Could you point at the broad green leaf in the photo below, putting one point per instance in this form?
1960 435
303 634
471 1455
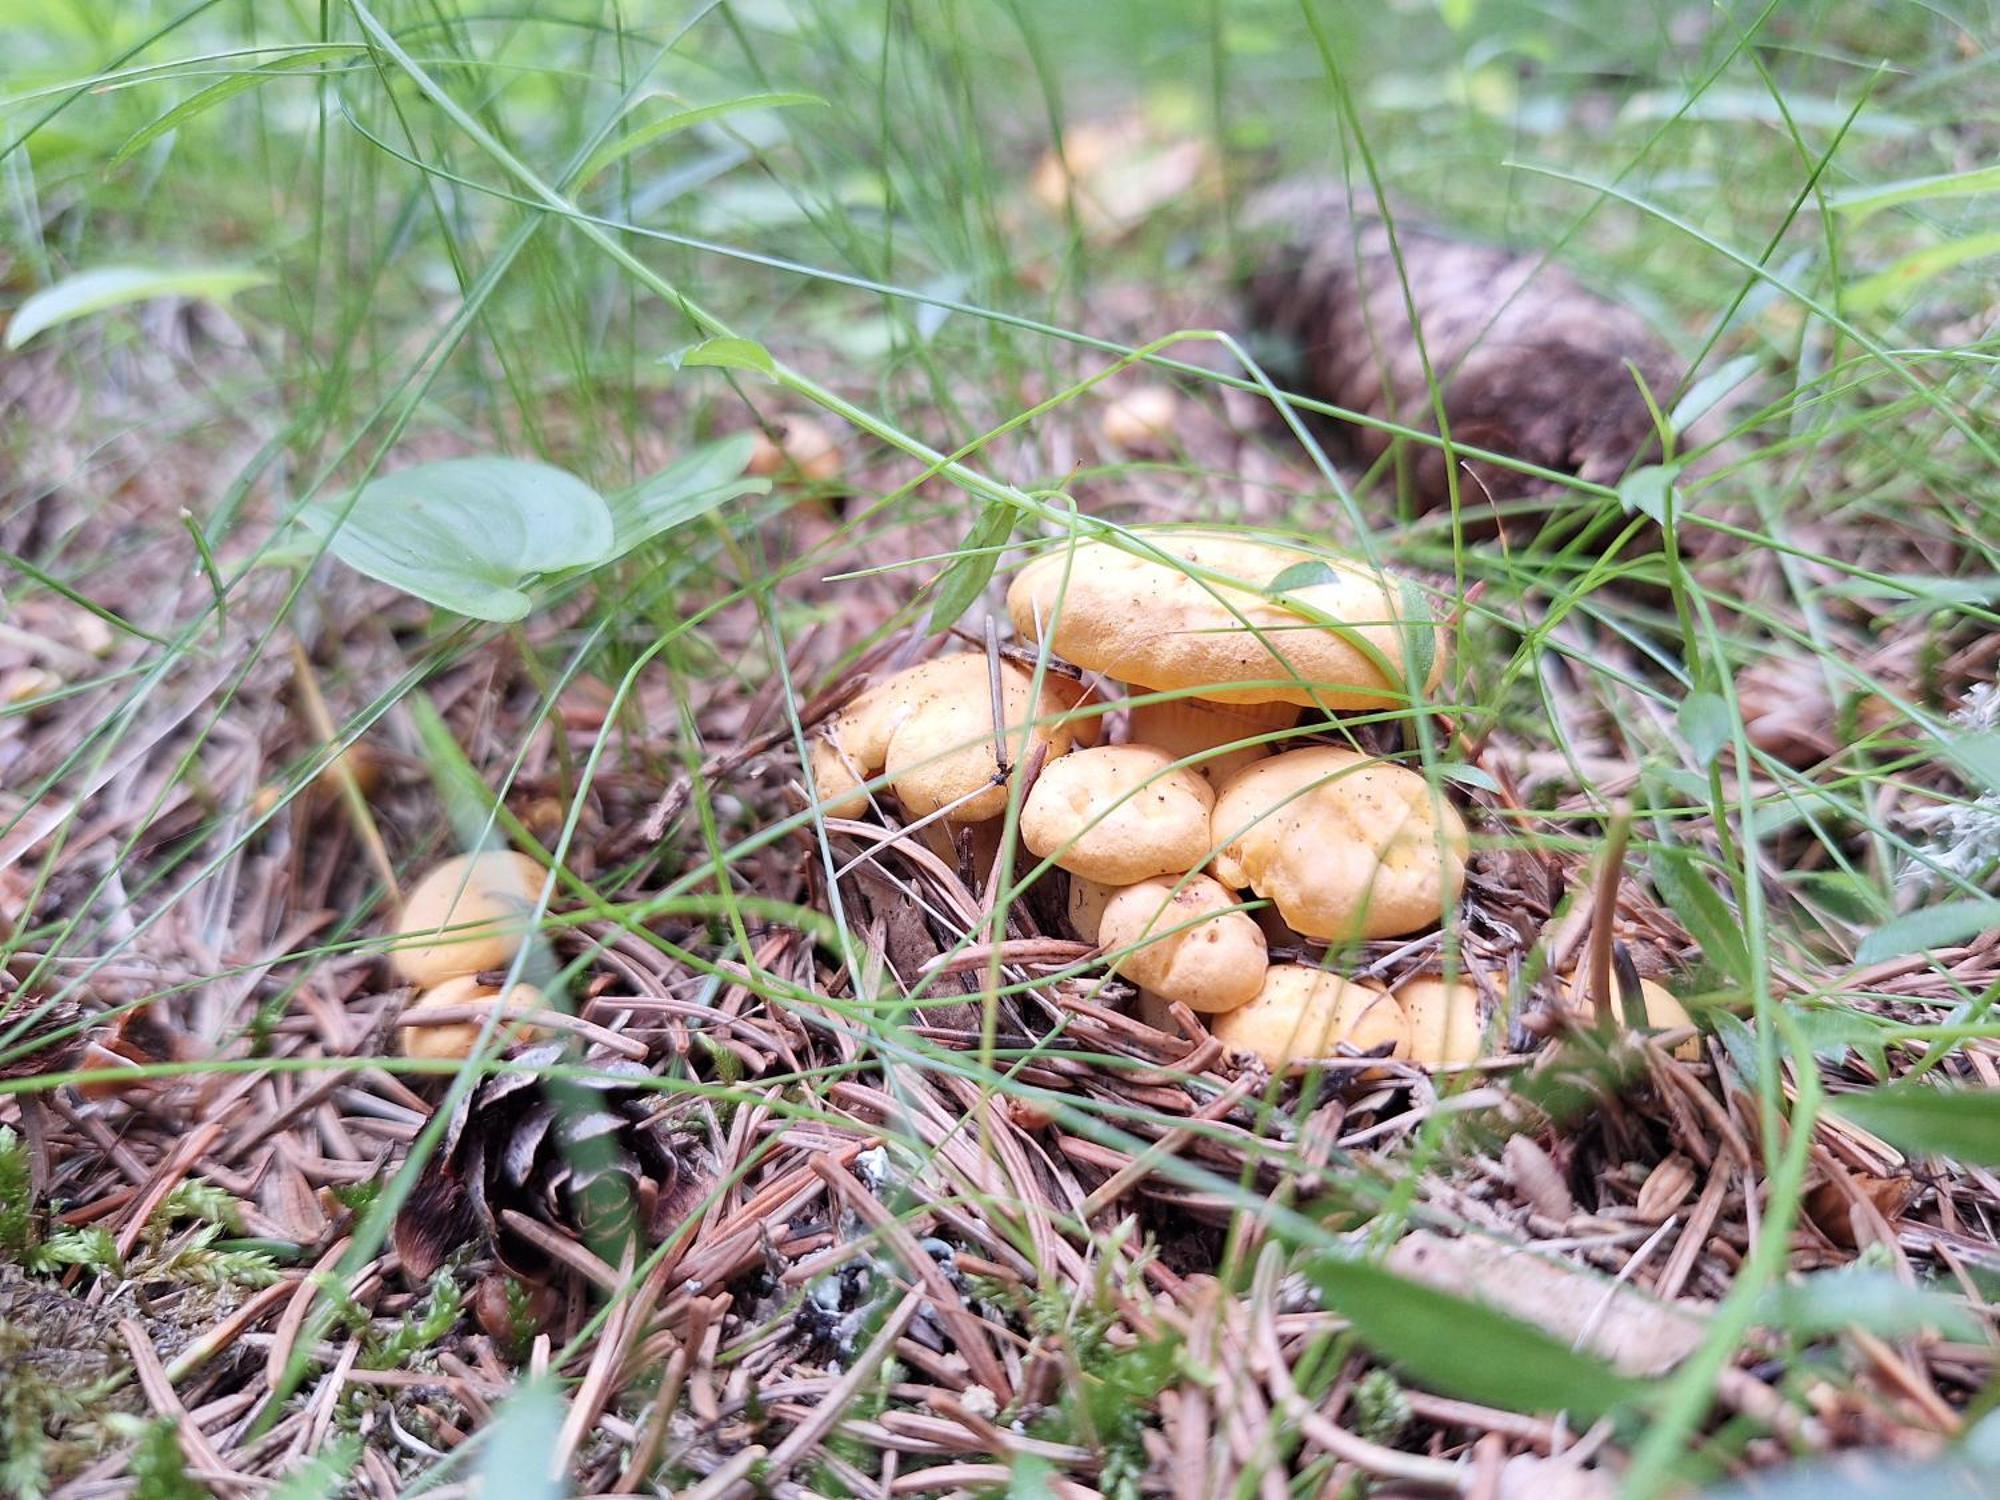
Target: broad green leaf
1685 889
1707 724
1912 271
322 1476
1303 575
206 99
1942 926
685 490
1477 777
727 354
518 1445
1862 201
1978 756
1963 1123
108 287
1703 396
468 533
978 555
1464 1348
680 120
1857 1297
1646 490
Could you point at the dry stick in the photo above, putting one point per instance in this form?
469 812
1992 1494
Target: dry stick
192 1148
804 1437
223 1334
160 1394
1170 1144
343 773
730 1478
1603 920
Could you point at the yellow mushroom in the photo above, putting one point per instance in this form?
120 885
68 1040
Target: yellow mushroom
1181 940
1188 727
1445 1024
456 1039
931 728
469 914
1303 1013
1209 620
1118 814
1086 906
1664 1011
1346 846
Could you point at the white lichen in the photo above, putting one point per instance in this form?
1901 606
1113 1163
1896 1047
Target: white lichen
1961 839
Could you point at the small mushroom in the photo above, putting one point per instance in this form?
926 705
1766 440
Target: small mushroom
1141 419
1664 1011
1207 618
1187 727
1303 1013
1184 940
931 728
1445 1026
469 914
455 1040
803 446
1346 846
1118 814
1086 906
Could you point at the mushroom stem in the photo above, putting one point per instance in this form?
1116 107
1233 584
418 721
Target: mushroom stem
1604 912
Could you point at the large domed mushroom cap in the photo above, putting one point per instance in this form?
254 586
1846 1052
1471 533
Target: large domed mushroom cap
1185 940
1345 846
1204 617
1118 814
1304 1013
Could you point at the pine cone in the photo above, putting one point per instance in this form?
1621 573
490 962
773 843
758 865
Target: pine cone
591 1157
1531 364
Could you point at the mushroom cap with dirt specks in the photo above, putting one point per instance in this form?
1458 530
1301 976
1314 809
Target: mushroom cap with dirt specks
455 1040
1344 845
931 728
1154 623
1118 814
1184 940
1302 1013
473 911
1444 1017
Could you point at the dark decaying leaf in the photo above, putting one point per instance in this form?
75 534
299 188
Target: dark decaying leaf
1530 363
590 1156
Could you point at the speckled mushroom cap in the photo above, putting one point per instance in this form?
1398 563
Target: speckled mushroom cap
1345 846
1303 1013
1191 727
1182 940
456 1039
931 728
1148 622
1118 814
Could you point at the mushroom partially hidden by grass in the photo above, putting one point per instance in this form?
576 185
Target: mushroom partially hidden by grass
1118 814
455 1040
1185 941
1302 1014
1234 619
931 728
467 915
1347 847
1664 1011
1086 906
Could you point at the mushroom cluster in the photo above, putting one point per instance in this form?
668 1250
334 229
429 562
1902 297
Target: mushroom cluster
1221 827
466 918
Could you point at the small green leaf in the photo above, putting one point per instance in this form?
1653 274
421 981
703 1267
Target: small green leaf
1978 757
467 533
1963 1123
1943 926
726 354
960 583
1303 575
1419 630
1862 201
108 287
1856 1297
684 491
1707 724
1473 776
1464 1348
1703 396
1647 490
1913 270
1702 911
680 120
